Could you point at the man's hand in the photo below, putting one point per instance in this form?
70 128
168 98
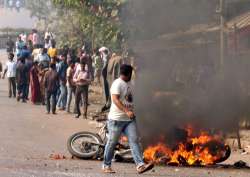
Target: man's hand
118 103
130 114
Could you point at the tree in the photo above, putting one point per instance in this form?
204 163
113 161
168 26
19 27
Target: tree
97 21
40 9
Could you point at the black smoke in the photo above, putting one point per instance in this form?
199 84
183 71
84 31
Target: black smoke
180 81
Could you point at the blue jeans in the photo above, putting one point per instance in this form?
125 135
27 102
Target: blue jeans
22 90
116 128
61 103
51 96
70 91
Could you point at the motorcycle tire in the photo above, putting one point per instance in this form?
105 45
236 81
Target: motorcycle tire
226 155
94 153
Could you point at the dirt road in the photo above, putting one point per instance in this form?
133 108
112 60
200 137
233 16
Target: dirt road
28 136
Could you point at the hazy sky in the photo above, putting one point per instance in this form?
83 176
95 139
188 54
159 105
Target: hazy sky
14 19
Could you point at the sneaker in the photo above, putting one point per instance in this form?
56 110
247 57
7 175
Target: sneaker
108 170
146 167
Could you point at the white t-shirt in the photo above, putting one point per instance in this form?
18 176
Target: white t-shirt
11 68
43 58
123 89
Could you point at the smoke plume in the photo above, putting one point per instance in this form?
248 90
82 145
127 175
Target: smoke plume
179 79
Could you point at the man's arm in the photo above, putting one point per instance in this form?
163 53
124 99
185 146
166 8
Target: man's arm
5 71
45 80
118 103
69 76
75 77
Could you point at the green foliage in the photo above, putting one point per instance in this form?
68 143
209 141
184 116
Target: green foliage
95 21
39 8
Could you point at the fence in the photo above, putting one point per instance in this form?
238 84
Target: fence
10 32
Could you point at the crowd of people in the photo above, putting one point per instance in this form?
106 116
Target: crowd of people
53 76
49 76
12 4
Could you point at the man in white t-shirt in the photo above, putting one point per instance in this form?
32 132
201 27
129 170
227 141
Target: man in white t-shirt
121 119
11 75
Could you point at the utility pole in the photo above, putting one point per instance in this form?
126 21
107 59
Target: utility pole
222 35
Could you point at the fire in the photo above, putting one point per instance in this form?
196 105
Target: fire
201 149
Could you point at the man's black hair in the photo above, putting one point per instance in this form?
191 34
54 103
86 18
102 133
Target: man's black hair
35 63
126 70
52 65
22 60
11 55
82 62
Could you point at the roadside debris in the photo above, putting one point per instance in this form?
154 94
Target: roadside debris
57 157
241 164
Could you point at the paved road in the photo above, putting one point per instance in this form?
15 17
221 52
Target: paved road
28 136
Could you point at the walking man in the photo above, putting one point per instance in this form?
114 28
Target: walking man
121 119
51 84
10 45
11 75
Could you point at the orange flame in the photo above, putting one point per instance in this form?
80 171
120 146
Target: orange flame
204 149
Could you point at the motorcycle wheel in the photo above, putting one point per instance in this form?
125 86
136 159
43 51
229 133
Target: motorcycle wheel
80 146
227 153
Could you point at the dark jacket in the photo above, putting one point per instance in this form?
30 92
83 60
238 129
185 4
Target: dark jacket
22 74
51 81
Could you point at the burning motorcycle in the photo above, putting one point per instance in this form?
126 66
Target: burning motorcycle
87 145
194 150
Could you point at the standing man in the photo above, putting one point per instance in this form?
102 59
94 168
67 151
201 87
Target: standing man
98 66
43 58
113 72
82 81
52 51
106 85
19 46
62 69
121 119
10 45
35 38
22 74
70 83
11 75
51 84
